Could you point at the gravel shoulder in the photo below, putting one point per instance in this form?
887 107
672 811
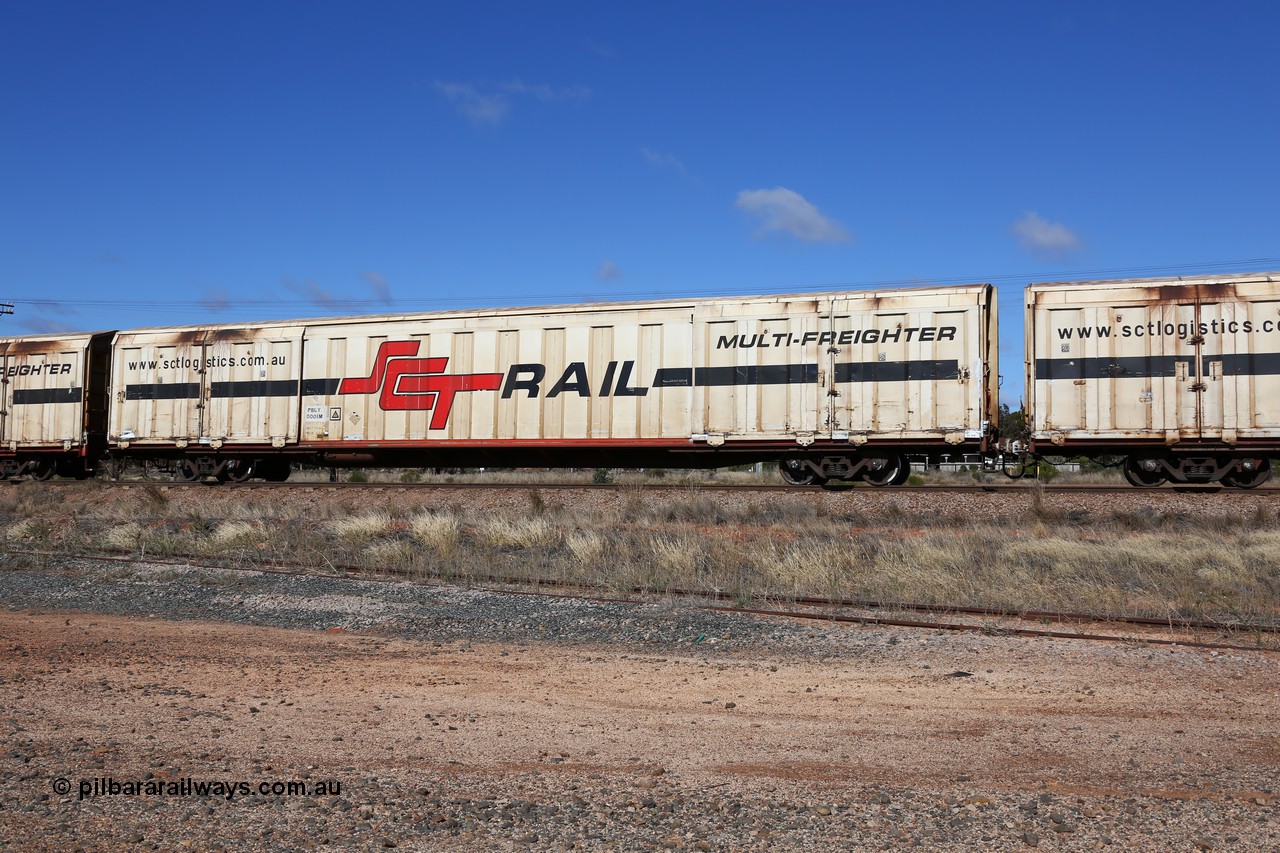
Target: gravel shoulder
456 719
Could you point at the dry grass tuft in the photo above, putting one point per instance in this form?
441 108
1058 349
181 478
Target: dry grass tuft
230 534
586 546
125 537
438 531
26 530
363 527
395 556
677 558
518 533
1134 561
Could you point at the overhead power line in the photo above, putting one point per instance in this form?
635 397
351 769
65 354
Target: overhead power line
400 305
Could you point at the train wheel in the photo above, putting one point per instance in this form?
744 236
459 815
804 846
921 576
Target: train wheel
186 471
796 472
1259 473
1144 473
238 470
887 471
42 469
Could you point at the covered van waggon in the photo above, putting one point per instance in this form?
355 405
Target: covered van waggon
838 385
1180 376
52 404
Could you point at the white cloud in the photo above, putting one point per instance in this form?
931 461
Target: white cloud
490 106
480 108
605 51
573 94
608 271
1041 237
788 213
660 160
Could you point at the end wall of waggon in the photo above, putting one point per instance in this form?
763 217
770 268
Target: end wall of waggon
1180 363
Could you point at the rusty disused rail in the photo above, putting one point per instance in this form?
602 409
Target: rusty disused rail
827 610
1020 487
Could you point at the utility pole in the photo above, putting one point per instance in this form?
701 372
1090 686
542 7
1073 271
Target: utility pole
6 308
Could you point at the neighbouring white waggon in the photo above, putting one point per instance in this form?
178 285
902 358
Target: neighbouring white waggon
1180 376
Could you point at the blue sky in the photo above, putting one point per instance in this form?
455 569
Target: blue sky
174 163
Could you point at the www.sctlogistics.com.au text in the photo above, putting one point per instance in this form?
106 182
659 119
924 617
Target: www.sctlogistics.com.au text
228 789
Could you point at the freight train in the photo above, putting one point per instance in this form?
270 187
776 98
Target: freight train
1176 377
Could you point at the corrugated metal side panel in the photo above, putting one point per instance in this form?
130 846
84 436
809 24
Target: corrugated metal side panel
757 368
251 390
156 389
542 377
198 386
44 388
752 368
1252 398
916 366
1159 361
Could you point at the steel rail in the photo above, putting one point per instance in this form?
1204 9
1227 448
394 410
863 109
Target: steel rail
1162 492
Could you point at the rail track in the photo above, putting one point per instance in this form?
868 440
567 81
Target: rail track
1024 488
1142 629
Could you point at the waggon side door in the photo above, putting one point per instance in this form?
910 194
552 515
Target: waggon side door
158 385
906 365
1185 388
251 387
758 369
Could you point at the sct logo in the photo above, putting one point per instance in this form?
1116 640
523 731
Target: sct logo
416 384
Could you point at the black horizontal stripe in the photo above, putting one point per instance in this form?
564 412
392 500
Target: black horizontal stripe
673 377
250 388
161 391
793 374
320 387
1156 366
35 396
1109 368
255 388
896 371
756 374
1250 364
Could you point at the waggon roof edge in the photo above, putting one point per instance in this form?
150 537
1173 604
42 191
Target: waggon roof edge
1120 283
568 308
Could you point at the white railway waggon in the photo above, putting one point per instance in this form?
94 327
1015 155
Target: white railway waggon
53 404
835 386
1179 376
